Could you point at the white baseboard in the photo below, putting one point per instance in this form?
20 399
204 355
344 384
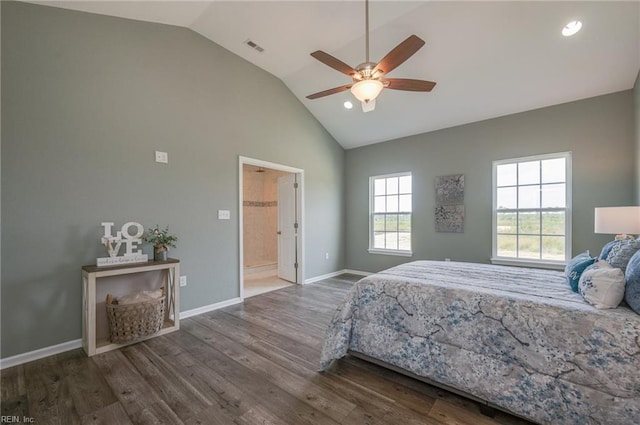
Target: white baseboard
30 356
357 272
77 343
208 308
334 274
322 277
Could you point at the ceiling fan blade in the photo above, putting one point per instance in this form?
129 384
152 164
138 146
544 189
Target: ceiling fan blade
408 84
398 55
330 91
334 63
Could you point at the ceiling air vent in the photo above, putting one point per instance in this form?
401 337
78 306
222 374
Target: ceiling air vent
254 46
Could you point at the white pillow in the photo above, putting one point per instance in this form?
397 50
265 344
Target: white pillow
139 297
602 286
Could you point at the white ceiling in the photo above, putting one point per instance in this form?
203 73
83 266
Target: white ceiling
489 59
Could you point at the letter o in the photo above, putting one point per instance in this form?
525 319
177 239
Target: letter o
125 230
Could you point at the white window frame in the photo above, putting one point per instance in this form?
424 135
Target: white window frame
387 251
527 262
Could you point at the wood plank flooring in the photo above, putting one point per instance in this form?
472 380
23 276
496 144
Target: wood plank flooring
248 364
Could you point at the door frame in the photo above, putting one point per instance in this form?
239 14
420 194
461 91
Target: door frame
242 161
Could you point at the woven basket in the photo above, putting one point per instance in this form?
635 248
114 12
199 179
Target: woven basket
128 322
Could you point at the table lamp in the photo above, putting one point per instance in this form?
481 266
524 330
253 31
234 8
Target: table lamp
621 221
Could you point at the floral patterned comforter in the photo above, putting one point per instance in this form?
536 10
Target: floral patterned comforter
517 338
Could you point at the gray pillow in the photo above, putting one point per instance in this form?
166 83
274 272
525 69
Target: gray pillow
621 252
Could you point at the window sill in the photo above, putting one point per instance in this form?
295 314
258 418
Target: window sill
391 252
538 264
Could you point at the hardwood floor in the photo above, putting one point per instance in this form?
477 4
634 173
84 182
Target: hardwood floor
252 363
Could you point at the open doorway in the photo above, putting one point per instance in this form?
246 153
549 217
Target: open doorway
270 226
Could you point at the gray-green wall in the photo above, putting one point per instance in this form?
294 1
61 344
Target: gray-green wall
86 101
598 131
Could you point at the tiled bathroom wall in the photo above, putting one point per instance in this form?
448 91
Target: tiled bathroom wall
260 213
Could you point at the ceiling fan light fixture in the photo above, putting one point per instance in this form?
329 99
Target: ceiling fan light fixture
369 106
367 84
367 90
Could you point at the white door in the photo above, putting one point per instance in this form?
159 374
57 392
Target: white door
287 228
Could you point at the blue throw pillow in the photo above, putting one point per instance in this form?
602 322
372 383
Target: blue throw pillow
575 267
606 250
632 276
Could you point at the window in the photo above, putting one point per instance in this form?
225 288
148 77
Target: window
390 214
532 210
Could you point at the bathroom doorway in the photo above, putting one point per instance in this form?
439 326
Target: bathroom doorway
270 227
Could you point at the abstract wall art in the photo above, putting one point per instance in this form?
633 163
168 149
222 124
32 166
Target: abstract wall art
450 218
450 189
449 213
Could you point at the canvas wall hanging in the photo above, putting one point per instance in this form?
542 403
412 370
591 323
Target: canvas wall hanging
449 212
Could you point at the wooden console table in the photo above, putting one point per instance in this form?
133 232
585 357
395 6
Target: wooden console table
170 269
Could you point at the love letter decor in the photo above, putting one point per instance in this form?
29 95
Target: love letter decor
113 244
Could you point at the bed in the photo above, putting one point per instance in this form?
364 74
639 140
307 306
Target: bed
518 339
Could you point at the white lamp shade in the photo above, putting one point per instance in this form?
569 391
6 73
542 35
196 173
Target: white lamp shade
617 220
366 90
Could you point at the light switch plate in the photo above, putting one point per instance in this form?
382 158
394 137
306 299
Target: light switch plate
224 215
162 157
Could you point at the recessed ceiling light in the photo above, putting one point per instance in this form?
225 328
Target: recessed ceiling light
348 105
571 28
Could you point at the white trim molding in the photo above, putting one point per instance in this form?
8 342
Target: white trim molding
536 264
334 274
397 253
357 272
210 307
40 353
322 277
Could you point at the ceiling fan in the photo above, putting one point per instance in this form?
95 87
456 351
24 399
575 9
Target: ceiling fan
367 77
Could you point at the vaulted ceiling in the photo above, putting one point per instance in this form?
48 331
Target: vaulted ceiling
489 59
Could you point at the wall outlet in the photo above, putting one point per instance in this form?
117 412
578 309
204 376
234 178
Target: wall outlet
162 157
224 215
326 255
183 281
447 259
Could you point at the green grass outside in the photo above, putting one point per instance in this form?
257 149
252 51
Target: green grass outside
519 235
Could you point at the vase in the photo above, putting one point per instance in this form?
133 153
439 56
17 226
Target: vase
160 255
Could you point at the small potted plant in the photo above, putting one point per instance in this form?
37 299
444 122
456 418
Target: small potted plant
161 240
